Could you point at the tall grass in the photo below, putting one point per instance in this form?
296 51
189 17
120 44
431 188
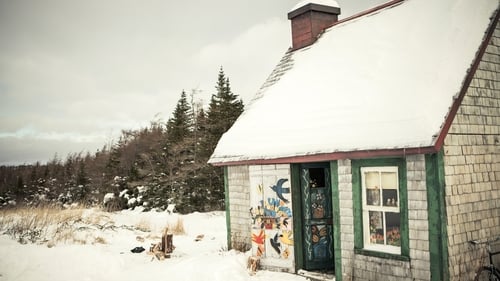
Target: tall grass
33 224
51 225
177 227
143 225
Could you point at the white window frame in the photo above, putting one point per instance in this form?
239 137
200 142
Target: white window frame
381 208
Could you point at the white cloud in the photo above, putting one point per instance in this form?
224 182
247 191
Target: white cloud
248 58
73 72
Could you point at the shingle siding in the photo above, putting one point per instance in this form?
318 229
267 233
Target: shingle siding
346 219
472 166
239 198
361 267
418 223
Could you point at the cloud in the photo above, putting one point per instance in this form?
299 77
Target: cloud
27 150
73 74
249 57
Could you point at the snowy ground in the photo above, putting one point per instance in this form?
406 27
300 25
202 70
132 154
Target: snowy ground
100 244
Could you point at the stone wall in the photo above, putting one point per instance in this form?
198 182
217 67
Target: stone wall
239 198
472 167
361 267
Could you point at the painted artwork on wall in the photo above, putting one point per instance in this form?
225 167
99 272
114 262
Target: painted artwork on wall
271 213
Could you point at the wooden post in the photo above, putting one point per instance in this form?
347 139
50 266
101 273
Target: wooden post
253 264
169 243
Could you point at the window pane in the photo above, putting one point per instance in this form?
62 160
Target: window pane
393 221
373 197
390 197
376 227
317 177
389 180
372 179
390 189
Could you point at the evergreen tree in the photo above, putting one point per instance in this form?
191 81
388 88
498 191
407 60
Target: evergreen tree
225 107
178 126
169 159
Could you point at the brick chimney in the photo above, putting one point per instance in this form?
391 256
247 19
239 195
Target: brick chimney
310 18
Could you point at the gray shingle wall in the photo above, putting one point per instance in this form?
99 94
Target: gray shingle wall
346 219
239 198
472 166
418 223
361 267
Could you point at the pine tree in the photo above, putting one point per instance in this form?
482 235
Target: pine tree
178 126
225 107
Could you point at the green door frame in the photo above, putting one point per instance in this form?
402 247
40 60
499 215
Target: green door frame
297 216
298 224
438 234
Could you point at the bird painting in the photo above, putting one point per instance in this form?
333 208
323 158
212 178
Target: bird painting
286 238
280 190
275 243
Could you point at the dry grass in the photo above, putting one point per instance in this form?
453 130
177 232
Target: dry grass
176 228
51 225
238 243
97 218
143 225
99 240
35 224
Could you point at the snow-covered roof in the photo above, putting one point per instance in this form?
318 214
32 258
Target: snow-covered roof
385 80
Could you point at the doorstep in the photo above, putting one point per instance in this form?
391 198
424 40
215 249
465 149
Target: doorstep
316 276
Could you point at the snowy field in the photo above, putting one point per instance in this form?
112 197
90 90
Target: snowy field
89 244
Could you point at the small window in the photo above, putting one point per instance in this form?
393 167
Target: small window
317 177
381 209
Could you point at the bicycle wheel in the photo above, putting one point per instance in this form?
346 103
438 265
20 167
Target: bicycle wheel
486 274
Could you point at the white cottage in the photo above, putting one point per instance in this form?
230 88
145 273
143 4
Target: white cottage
372 150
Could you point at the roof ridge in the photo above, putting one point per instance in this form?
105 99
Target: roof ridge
389 4
458 98
285 64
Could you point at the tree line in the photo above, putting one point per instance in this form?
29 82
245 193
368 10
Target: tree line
161 164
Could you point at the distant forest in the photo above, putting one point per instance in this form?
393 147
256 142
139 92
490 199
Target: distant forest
162 164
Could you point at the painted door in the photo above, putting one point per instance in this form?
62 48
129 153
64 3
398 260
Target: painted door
317 216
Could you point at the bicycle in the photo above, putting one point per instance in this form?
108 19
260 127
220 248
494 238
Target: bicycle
487 272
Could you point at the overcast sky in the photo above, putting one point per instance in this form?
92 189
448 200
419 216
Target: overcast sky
73 74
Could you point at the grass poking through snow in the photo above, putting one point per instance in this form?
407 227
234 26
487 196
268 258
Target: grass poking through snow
52 225
177 228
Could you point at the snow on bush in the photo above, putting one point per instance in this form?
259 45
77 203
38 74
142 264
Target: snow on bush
108 197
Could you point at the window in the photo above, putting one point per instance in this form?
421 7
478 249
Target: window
380 205
380 208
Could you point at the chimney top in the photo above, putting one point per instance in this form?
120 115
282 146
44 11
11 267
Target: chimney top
310 18
318 4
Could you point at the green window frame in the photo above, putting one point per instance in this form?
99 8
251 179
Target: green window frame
361 246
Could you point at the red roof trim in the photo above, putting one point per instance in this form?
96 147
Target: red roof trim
468 78
359 154
369 11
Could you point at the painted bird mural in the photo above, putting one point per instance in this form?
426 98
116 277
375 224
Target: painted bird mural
279 189
286 238
275 243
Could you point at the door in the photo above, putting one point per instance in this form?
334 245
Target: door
317 216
